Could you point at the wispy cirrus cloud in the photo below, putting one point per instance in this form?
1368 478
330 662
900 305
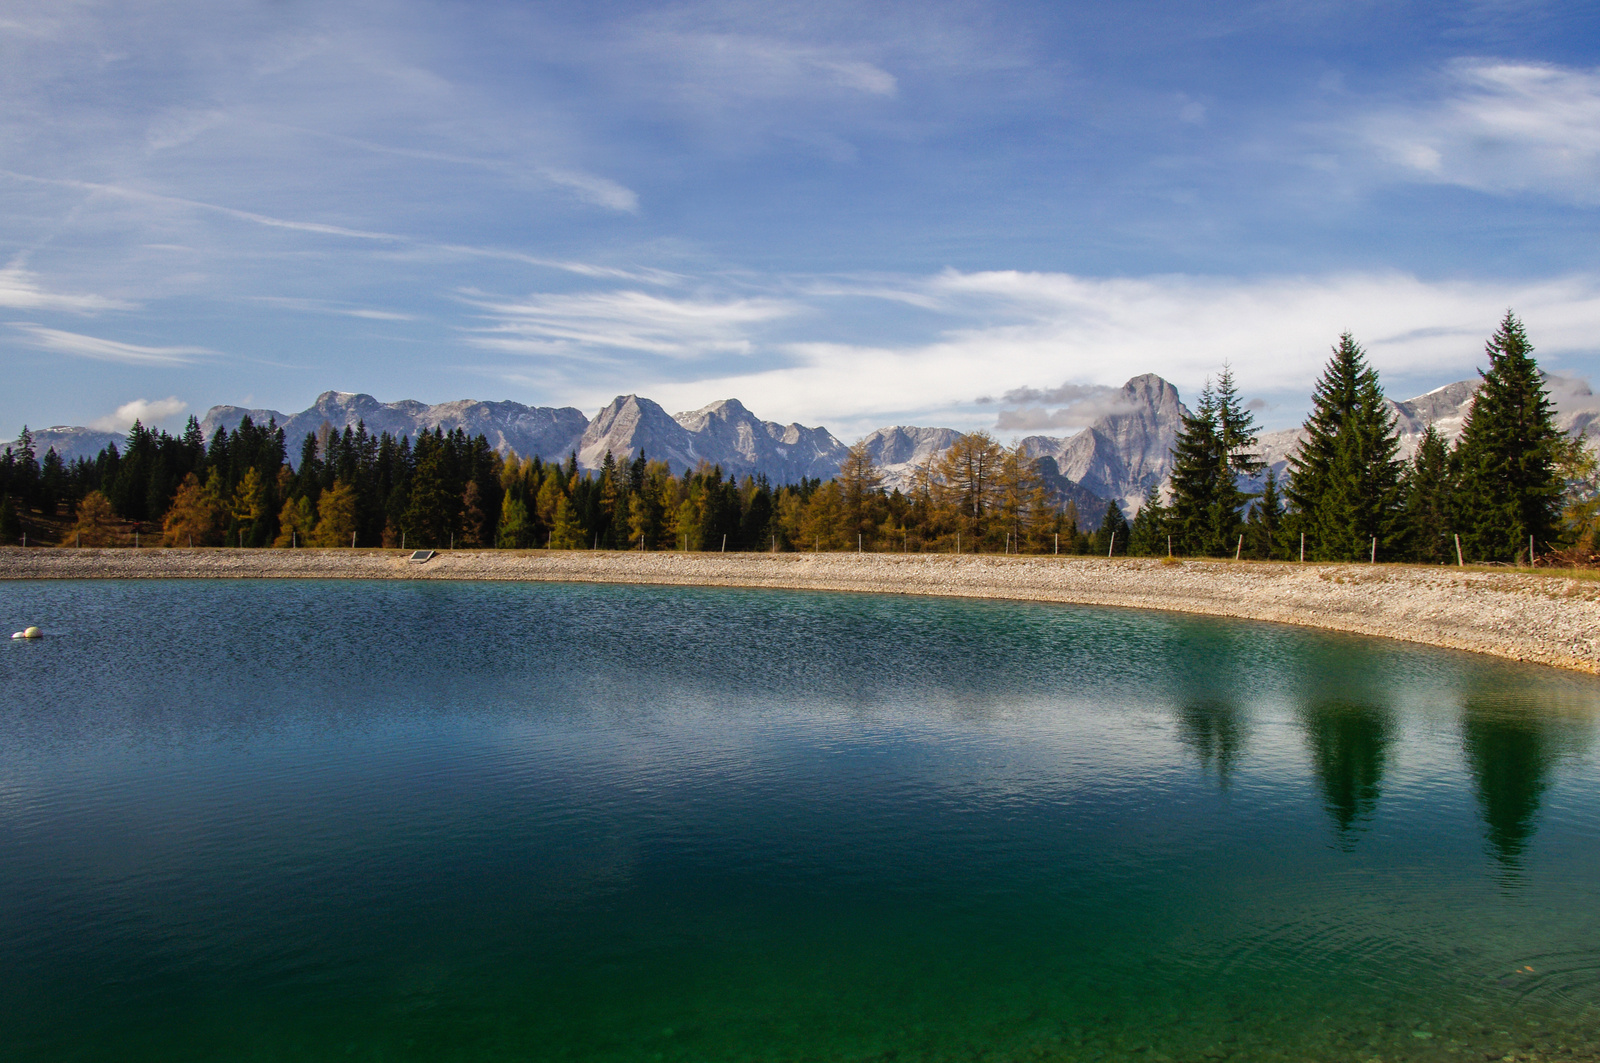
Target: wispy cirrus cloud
600 191
78 345
1501 127
646 275
623 321
20 290
325 306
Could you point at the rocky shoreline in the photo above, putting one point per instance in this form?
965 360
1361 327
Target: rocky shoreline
1547 619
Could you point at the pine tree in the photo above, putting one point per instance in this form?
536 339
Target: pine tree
1112 537
1265 526
1195 473
1344 479
10 525
1427 489
1508 489
1148 535
1212 451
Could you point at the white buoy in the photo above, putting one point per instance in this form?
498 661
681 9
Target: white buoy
28 633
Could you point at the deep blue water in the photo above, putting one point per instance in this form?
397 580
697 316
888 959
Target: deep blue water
392 821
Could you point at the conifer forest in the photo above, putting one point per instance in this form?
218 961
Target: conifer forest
1511 483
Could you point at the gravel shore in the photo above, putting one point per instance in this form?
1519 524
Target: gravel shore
1545 619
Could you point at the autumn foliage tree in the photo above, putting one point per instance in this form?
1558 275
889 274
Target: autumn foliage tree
195 517
97 523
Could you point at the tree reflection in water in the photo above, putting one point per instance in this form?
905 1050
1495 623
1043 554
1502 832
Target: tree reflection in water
1213 728
1349 746
1510 756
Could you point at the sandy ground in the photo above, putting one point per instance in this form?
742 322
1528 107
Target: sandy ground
1548 619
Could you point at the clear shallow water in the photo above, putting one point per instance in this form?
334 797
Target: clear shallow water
390 821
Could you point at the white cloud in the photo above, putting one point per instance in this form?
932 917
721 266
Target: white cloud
1031 328
78 345
19 290
1501 127
1028 409
623 321
143 410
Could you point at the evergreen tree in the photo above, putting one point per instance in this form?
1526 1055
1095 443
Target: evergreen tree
1196 469
24 477
1344 478
1265 526
1212 451
1112 536
52 482
1427 489
1507 455
10 525
1148 535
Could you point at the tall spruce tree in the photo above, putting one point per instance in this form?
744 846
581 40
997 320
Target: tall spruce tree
1427 488
1507 485
1148 535
1213 449
1195 472
1344 479
1262 530
1112 535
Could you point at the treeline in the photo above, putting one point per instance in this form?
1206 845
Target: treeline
1511 480
1511 489
448 489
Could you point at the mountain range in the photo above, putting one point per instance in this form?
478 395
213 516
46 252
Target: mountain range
1119 455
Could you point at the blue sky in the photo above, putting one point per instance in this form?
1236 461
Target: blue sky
852 214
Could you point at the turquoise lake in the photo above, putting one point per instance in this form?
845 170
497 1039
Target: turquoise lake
305 820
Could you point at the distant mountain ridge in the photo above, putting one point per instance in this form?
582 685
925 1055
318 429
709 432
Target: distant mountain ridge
507 425
1119 455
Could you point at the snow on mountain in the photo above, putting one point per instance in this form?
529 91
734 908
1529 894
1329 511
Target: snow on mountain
630 424
900 451
727 434
723 433
70 443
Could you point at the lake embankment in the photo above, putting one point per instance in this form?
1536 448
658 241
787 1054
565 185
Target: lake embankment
1547 619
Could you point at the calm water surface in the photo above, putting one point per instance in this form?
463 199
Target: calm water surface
393 821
